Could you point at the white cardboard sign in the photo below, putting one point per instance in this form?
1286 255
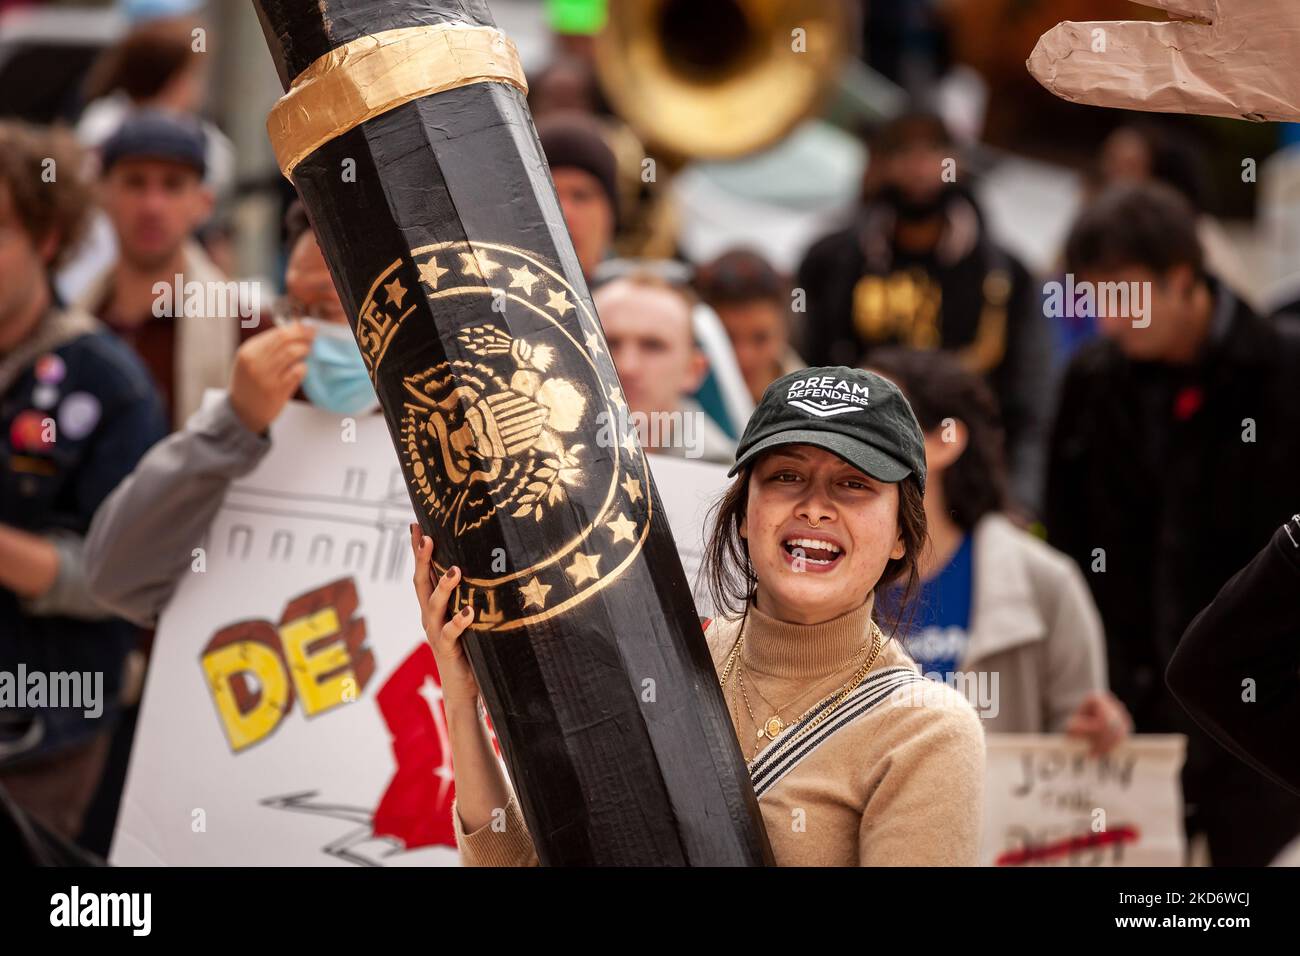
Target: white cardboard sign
1047 803
291 711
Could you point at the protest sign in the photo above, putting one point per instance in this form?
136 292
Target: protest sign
1048 803
291 714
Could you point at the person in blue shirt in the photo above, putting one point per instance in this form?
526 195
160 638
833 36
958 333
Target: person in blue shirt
940 628
77 411
1001 616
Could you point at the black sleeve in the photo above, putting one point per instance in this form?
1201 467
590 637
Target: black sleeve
819 330
1249 637
1025 389
1068 513
1064 510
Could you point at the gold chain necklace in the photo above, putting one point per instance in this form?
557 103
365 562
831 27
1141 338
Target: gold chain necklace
774 725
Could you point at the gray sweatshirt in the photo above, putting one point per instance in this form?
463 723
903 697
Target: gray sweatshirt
143 537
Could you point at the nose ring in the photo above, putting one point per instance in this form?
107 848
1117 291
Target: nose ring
812 525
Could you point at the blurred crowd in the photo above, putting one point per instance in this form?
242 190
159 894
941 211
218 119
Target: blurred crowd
1098 473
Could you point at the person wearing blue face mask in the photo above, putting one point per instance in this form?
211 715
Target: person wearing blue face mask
337 379
335 376
140 542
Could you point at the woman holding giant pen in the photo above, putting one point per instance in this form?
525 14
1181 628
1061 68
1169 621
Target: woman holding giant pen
854 757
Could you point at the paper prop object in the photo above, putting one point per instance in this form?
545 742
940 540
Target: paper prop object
1233 58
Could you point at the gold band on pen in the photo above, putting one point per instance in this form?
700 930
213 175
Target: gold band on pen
374 74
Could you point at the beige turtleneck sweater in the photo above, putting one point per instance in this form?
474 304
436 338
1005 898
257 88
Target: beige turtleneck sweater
900 785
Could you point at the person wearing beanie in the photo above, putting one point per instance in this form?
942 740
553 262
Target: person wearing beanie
154 134
151 182
586 180
156 66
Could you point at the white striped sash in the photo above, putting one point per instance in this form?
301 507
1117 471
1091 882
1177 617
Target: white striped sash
784 753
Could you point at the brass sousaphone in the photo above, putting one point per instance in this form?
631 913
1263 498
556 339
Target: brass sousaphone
715 79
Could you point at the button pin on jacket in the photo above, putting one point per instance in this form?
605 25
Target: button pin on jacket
50 369
45 396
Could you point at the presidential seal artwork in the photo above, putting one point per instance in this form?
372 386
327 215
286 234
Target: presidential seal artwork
405 129
506 432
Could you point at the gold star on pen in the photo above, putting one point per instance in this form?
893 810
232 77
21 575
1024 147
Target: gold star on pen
559 302
395 291
535 593
478 264
622 528
593 344
633 488
431 272
583 568
629 442
616 396
523 279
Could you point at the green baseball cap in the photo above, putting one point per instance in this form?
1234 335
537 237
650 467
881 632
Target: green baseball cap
858 415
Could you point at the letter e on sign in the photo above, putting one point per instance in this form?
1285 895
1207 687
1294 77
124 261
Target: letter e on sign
324 645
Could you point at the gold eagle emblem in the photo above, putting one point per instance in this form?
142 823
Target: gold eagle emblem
479 439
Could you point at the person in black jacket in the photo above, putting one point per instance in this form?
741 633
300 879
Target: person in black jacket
1237 670
1174 453
918 268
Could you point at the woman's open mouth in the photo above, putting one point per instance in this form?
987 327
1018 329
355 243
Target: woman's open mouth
816 555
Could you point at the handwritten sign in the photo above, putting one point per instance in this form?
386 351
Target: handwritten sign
1048 803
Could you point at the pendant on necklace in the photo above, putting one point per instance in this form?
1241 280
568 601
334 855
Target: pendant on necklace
773 727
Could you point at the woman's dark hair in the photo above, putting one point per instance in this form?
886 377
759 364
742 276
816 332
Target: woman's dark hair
739 276
143 62
295 224
939 388
1146 224
730 576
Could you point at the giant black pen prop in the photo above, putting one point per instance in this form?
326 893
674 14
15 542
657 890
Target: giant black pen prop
407 134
